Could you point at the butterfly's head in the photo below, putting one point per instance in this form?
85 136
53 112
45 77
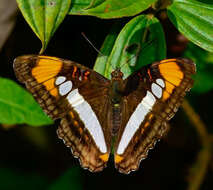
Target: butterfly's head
117 74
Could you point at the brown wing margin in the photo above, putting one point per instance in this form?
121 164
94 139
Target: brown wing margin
176 74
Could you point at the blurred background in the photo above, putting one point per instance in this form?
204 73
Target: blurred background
34 158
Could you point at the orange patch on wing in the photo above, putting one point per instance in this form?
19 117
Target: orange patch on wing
166 95
50 86
142 130
72 114
74 71
171 72
80 130
104 157
54 92
169 87
150 116
46 68
75 123
86 75
168 90
118 159
144 127
150 76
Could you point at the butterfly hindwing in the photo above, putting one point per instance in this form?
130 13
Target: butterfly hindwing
152 96
75 135
67 90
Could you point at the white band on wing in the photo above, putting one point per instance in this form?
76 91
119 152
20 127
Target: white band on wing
88 117
135 121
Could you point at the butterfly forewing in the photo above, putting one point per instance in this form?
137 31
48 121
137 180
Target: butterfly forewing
151 97
78 95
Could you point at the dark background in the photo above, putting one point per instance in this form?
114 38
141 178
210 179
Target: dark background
39 157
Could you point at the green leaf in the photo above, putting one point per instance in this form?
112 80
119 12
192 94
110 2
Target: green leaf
140 42
95 3
195 20
44 16
70 180
109 8
204 62
17 106
77 6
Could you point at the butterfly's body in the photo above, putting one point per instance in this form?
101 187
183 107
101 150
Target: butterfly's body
116 92
94 110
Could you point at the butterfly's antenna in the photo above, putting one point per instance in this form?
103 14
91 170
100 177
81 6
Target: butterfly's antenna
91 43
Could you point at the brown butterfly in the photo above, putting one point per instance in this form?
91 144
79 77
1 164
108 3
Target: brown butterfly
94 110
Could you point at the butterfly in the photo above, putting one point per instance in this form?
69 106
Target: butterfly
98 114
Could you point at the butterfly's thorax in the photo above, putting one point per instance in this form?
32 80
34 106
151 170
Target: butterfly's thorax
116 92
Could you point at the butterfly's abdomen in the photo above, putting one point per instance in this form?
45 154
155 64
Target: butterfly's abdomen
116 118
